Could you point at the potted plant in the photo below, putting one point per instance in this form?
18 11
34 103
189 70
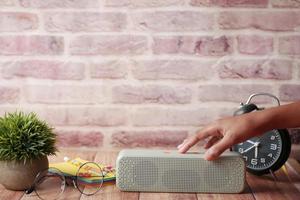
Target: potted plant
25 143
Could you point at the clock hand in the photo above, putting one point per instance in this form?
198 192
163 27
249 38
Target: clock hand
254 145
249 149
256 151
250 141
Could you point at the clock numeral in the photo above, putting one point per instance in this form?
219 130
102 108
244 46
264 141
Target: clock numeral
241 150
254 161
272 137
262 160
273 146
245 157
270 155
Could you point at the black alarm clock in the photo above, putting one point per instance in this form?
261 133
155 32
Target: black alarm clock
267 153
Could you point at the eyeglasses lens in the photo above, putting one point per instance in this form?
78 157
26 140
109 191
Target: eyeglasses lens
89 178
50 184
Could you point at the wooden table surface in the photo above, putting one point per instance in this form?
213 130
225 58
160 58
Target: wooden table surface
286 187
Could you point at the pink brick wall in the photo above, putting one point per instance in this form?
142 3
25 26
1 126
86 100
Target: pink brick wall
144 72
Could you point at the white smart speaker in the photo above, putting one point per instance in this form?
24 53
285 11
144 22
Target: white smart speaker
170 171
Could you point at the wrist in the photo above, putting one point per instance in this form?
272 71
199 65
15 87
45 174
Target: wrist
258 122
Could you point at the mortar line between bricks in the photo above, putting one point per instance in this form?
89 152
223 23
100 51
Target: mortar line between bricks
171 86
107 9
213 33
140 83
145 57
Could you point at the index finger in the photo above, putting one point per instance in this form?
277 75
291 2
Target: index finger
204 133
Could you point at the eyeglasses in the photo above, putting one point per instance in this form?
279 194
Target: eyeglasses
50 184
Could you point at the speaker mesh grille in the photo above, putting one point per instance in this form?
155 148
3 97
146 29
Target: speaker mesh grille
156 174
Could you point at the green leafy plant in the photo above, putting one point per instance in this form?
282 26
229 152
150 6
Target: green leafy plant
25 137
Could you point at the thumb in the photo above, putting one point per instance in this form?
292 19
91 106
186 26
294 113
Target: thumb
217 149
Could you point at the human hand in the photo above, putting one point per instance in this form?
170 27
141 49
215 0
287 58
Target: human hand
224 133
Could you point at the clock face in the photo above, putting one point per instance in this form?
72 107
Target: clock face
260 153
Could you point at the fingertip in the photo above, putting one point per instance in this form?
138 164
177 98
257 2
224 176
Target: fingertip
208 157
182 144
210 154
179 146
206 146
217 149
182 150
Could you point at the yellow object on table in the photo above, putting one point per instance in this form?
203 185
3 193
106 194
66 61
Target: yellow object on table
71 167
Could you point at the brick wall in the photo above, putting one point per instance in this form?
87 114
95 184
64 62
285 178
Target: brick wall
144 72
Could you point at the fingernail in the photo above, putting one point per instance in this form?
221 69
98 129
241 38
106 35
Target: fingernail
179 146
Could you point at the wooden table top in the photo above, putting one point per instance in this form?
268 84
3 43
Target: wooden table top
286 187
